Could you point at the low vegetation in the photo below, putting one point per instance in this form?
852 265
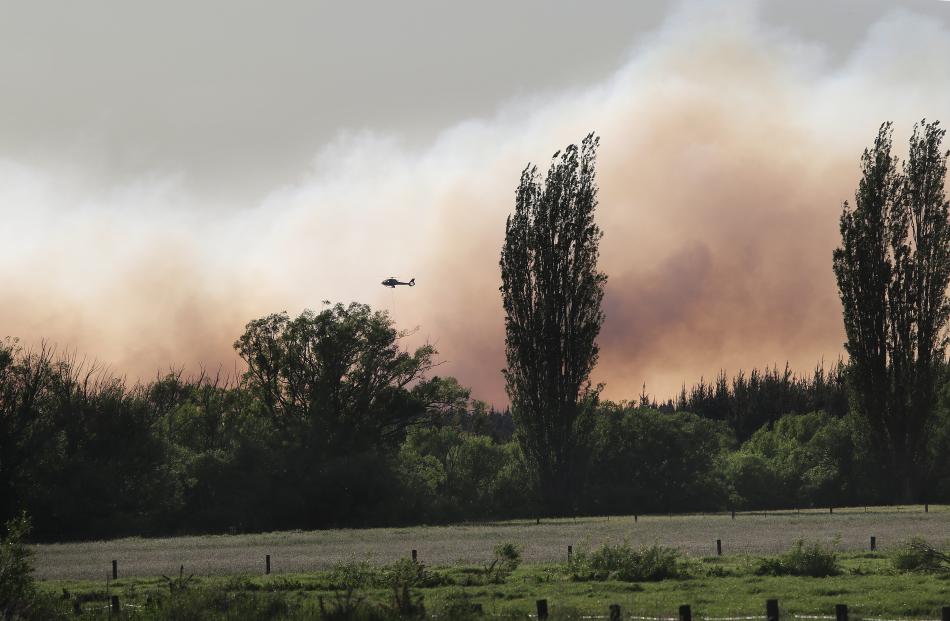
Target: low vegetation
653 581
916 554
812 559
625 563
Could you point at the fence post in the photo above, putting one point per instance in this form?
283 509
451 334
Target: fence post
635 516
771 609
267 564
926 507
115 569
873 543
570 551
841 612
946 613
415 556
542 609
718 547
831 510
685 613
615 612
733 514
115 604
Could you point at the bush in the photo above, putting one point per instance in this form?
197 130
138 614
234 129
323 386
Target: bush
803 559
918 555
18 596
352 575
622 562
214 604
507 558
409 573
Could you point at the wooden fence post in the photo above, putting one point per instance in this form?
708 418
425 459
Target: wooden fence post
415 556
570 552
115 604
733 514
873 543
831 510
542 609
267 564
926 507
685 613
946 613
615 612
115 569
635 516
841 612
718 547
771 610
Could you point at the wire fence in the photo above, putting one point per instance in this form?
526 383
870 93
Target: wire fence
773 613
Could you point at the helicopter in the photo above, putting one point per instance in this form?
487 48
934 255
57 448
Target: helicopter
391 282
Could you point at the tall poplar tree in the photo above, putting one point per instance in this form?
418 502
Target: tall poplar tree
552 292
893 268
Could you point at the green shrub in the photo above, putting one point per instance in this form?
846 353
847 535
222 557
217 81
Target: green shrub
414 575
506 560
803 559
621 562
18 596
353 575
459 606
918 555
214 604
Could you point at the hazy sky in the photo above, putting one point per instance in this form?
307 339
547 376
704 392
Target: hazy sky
169 171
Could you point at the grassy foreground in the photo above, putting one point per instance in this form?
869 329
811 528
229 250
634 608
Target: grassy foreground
716 586
471 544
456 571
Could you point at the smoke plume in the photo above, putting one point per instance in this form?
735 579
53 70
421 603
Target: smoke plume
727 148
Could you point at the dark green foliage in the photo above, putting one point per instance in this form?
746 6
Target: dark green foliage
893 268
647 461
17 591
748 402
218 604
460 607
19 598
337 376
95 457
552 292
412 574
76 442
352 575
802 460
506 560
622 562
803 559
918 555
456 475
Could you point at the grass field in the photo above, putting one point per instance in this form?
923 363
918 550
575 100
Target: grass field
299 551
718 587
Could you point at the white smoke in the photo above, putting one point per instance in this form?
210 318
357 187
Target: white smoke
727 148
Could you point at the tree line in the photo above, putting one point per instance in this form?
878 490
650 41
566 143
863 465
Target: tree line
335 423
88 456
